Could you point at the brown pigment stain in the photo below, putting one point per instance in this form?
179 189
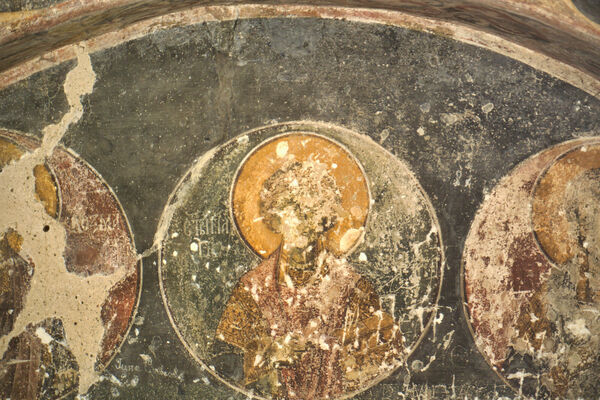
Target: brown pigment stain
46 190
15 279
528 264
116 314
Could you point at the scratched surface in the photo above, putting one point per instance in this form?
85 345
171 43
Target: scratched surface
63 318
459 118
540 241
397 251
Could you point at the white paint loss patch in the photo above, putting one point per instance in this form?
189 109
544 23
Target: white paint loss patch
578 328
350 238
487 107
43 335
282 149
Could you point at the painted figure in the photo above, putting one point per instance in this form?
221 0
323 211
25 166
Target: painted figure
309 325
532 273
560 322
49 245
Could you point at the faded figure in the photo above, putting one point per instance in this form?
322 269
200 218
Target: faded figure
560 325
309 325
574 295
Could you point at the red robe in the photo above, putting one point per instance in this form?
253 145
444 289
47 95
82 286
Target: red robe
263 309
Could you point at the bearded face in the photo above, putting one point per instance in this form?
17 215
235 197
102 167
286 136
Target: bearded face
300 201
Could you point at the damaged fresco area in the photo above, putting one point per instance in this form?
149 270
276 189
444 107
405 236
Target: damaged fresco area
534 248
293 267
177 92
69 275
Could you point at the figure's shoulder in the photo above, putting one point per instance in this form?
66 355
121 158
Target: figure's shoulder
262 272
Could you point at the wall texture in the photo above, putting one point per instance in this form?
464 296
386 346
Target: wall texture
161 114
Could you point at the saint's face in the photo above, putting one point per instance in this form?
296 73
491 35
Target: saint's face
300 203
298 229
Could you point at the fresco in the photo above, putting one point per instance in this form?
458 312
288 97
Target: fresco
533 248
277 255
69 275
305 187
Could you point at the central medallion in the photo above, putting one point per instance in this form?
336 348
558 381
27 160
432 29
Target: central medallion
300 261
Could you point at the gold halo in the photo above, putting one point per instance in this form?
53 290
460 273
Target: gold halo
550 223
271 155
45 185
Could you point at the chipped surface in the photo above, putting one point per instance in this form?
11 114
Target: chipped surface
172 91
533 248
73 274
318 281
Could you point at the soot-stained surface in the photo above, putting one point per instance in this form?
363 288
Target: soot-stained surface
24 5
454 117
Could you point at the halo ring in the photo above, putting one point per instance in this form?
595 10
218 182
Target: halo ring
274 153
549 222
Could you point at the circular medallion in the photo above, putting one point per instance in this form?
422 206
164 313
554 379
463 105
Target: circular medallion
301 149
300 260
532 273
69 274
